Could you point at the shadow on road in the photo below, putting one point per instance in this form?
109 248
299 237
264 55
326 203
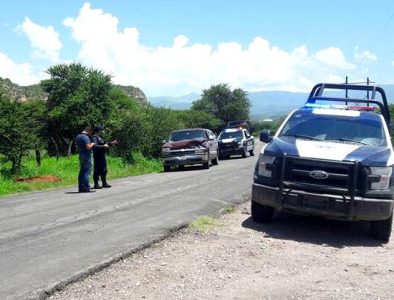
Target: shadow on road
235 157
316 231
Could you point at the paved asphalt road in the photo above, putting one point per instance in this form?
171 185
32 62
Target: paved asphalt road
50 238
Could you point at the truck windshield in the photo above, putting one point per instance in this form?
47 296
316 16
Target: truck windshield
366 130
231 135
187 135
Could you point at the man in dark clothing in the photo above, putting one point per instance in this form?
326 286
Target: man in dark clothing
100 161
84 147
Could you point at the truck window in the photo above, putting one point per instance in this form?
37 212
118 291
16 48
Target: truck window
336 128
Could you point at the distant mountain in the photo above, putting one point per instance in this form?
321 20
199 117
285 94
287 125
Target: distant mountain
35 92
265 104
389 89
277 103
272 104
182 102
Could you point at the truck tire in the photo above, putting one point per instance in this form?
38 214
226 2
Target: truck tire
261 213
207 164
381 230
215 161
244 152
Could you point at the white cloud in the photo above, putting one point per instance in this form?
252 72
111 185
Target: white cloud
44 40
334 57
19 73
364 56
183 67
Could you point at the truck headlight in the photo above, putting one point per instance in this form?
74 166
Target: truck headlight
264 161
201 150
384 174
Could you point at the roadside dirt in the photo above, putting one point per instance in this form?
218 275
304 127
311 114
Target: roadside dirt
291 258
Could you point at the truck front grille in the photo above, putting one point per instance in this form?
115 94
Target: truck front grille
228 146
335 176
175 153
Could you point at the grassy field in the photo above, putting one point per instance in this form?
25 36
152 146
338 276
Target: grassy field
67 170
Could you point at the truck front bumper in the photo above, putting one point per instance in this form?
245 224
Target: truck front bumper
193 159
330 206
231 151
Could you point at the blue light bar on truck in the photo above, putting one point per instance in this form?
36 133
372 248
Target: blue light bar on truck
370 103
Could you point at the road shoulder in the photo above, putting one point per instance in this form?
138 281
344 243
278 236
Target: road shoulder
294 257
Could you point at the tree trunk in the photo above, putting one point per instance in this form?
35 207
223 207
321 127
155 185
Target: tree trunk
16 165
38 157
13 166
69 148
56 148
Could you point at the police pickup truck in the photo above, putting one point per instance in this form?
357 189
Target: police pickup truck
235 141
330 160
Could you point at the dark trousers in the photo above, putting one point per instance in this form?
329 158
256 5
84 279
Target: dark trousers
100 169
85 162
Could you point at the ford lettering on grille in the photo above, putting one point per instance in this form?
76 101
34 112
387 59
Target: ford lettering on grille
318 174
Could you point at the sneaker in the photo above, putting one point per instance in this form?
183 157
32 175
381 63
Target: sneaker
96 187
106 185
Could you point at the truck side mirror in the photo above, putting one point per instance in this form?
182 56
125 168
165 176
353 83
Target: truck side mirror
265 136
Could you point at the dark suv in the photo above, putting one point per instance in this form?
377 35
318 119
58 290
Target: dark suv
330 160
190 147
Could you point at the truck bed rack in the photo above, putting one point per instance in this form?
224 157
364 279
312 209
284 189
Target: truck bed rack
317 95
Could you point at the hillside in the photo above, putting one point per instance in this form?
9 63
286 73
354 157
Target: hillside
26 93
23 93
135 93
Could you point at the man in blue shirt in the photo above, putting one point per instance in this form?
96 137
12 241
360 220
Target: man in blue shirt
84 147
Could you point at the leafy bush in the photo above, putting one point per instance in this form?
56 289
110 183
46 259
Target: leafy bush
20 130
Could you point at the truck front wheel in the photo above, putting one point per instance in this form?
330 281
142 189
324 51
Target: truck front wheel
381 230
261 213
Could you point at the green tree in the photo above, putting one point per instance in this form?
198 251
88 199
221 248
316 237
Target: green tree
36 118
224 103
160 122
77 96
19 131
202 119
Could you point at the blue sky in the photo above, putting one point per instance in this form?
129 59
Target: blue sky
178 47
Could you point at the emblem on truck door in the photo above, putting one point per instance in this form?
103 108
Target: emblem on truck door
318 174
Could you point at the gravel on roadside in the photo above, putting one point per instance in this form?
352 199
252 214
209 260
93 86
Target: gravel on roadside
291 258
